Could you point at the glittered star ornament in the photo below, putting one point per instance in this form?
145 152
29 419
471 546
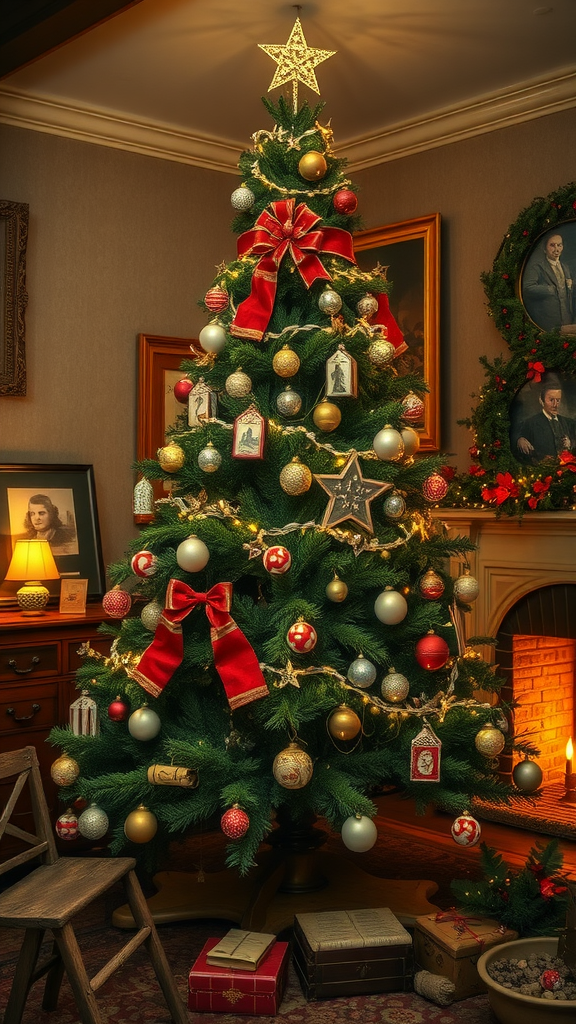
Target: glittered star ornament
350 495
296 62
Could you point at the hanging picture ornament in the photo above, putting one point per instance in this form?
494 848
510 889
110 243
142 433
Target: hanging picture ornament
150 615
292 767
343 723
431 586
171 458
118 710
381 353
336 591
202 403
394 505
242 199
329 302
67 825
432 652
425 750
182 389
140 825
64 771
93 822
350 495
238 384
388 444
84 716
362 672
216 299
144 724
249 434
489 741
466 830
192 554
301 637
288 402
345 201
235 822
390 607
413 408
143 564
466 588
367 306
143 502
341 374
295 477
116 602
312 166
527 776
277 560
435 487
212 338
359 833
286 362
394 687
327 416
411 441
209 459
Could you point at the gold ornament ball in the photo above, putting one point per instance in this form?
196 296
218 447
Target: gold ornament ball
286 362
344 723
394 687
295 477
337 590
312 166
140 825
381 352
292 767
171 458
327 416
489 741
65 770
411 441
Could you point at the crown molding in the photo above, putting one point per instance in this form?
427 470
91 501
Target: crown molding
520 103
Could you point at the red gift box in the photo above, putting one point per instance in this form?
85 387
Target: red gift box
223 990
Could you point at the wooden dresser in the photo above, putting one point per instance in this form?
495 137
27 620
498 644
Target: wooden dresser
38 661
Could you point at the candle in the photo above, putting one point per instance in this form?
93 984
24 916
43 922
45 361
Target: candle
569 755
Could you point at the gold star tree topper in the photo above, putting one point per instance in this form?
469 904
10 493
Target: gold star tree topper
296 62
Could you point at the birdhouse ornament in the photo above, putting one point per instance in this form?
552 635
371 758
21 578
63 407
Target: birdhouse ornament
425 756
84 716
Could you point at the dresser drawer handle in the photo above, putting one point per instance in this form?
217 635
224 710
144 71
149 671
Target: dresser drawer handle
23 718
24 671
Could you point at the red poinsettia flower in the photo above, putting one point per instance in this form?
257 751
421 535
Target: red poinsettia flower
477 471
535 371
448 472
548 888
567 461
506 487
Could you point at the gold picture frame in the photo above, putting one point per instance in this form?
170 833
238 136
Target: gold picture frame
410 250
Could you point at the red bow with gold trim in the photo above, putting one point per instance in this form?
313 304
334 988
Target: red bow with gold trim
283 227
234 657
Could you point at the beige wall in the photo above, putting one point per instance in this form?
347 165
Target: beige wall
121 243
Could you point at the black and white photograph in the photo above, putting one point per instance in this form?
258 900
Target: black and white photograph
543 419
547 280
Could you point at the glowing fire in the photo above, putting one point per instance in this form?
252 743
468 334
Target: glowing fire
569 750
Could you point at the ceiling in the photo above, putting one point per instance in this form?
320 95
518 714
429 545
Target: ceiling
182 79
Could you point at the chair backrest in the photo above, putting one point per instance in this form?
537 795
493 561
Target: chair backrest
24 765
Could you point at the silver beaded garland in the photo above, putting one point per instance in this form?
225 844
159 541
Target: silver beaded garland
329 302
242 199
288 402
209 459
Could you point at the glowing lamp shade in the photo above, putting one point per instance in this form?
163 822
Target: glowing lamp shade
33 562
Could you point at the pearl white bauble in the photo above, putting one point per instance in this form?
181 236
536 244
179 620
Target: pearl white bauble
390 607
411 440
212 338
144 724
192 554
359 833
388 444
242 199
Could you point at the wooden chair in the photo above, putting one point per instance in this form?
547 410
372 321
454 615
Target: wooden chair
52 894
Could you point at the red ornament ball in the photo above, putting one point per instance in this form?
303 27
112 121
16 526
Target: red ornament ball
277 560
431 652
118 711
67 826
431 586
216 299
413 408
116 603
144 564
550 980
345 201
466 830
302 637
435 487
182 389
234 822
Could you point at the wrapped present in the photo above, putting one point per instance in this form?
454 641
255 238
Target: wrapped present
225 990
357 952
451 942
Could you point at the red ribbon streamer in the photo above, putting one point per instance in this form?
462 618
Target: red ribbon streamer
234 657
283 228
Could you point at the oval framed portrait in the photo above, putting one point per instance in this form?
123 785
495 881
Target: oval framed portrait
543 419
547 284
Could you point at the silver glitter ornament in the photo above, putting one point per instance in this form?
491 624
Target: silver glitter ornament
362 673
238 384
150 615
394 506
288 402
329 302
395 687
93 822
209 459
367 306
242 199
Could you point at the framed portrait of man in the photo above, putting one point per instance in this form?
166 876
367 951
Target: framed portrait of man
548 280
543 420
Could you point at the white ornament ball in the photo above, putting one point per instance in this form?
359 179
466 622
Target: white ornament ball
143 564
150 615
388 444
242 199
466 588
390 607
359 833
212 338
93 822
238 384
288 402
277 560
395 687
411 440
367 306
209 459
192 554
144 724
362 673
466 830
329 302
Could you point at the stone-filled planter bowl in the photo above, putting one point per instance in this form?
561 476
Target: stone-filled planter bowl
512 1007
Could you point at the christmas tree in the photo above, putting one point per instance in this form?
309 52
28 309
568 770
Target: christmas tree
290 639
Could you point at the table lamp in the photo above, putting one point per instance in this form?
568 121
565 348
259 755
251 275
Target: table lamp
32 561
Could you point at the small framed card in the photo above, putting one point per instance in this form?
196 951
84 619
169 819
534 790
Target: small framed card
73 595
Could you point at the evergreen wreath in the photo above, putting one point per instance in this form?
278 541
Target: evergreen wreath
497 478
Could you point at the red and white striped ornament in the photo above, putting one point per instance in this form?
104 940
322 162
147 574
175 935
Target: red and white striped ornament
466 830
413 408
67 826
216 299
277 560
235 822
144 564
